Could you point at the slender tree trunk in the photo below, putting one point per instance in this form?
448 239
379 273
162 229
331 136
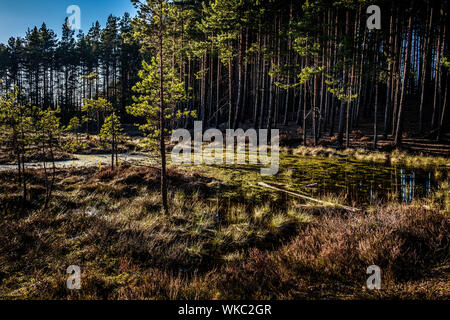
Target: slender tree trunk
230 94
375 114
398 135
211 90
437 79
263 88
315 102
161 120
344 100
441 122
389 77
257 79
305 102
239 84
218 91
300 99
288 92
305 106
203 89
398 64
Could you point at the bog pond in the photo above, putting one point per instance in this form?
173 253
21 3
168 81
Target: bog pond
356 181
359 181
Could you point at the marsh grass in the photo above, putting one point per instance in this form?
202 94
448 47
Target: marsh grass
395 158
417 161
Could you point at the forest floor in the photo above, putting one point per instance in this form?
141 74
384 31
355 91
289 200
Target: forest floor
363 139
413 142
225 238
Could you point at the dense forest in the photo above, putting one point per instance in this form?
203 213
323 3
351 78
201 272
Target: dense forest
262 64
53 72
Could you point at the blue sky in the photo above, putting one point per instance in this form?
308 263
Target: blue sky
16 16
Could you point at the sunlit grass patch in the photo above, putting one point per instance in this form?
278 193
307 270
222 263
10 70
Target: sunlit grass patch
316 151
299 216
233 256
279 221
261 212
395 158
403 158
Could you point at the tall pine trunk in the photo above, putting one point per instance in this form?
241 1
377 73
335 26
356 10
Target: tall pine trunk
399 132
161 120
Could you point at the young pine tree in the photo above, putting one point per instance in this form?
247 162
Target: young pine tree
99 107
74 126
48 128
160 88
16 127
112 131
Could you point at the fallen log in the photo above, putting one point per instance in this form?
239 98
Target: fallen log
325 203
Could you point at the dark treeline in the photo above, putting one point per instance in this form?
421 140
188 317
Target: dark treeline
261 64
63 72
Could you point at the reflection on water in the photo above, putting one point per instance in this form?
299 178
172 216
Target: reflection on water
362 182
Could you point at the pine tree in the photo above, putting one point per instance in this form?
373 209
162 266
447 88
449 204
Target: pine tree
112 131
160 89
47 130
16 126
